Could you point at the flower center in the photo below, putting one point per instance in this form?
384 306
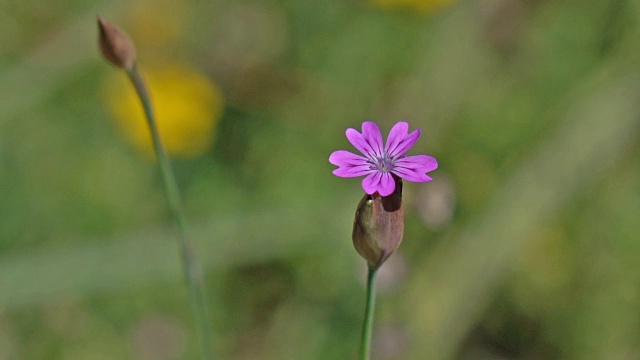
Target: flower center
383 164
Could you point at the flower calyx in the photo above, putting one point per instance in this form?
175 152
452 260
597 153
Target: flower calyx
379 225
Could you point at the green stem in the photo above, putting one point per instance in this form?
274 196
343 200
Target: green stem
192 271
367 325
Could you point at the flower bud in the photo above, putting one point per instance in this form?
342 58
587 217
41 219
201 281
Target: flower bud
378 226
115 45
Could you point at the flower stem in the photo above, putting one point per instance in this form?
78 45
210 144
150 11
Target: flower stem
192 271
367 325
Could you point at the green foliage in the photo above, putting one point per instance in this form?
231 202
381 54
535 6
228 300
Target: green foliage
529 106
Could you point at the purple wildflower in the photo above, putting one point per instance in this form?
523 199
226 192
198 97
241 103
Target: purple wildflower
381 162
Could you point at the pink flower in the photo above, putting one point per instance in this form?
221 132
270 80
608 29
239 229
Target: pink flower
381 162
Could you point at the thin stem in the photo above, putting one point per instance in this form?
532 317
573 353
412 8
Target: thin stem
367 325
192 271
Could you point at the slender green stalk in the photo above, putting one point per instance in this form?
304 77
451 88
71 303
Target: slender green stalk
192 271
367 325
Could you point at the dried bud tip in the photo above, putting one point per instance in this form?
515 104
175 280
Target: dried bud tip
115 45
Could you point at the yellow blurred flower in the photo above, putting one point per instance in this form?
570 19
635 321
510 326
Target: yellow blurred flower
418 5
187 107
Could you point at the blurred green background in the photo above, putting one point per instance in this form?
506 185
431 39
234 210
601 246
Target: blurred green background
525 245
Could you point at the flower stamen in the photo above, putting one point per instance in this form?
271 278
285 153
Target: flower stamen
383 164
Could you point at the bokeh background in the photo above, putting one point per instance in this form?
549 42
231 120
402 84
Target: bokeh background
525 246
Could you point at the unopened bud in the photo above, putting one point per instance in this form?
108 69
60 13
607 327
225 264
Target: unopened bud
116 46
378 226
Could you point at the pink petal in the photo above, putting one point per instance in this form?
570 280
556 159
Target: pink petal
413 168
405 144
359 142
371 133
352 171
371 183
387 185
346 158
398 132
411 175
382 183
423 163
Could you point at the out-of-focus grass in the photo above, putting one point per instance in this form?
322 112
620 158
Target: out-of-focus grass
530 107
524 204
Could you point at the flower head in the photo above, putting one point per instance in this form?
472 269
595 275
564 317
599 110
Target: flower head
382 161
